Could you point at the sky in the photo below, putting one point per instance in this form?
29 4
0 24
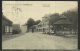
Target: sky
20 11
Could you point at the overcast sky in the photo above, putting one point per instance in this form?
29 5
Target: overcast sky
34 9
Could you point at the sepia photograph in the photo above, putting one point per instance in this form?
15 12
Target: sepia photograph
51 25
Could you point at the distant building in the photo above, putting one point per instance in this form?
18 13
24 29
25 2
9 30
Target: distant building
39 27
6 25
44 24
24 28
16 28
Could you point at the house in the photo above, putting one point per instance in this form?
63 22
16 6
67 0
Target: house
16 28
44 26
6 25
39 27
24 28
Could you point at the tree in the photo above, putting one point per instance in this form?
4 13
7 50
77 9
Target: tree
30 23
37 22
53 18
73 17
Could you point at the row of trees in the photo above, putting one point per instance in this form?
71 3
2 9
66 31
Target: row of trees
32 22
72 16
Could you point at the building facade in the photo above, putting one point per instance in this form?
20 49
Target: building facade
6 25
44 25
24 29
39 27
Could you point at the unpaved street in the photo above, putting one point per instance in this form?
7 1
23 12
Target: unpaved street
40 41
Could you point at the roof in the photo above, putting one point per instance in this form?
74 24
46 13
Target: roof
40 23
4 17
63 22
34 26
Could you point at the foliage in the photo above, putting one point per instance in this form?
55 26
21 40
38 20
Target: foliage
37 22
30 23
53 18
73 17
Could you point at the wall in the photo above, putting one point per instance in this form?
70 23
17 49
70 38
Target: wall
6 26
23 29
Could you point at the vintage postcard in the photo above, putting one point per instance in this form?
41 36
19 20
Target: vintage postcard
49 25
